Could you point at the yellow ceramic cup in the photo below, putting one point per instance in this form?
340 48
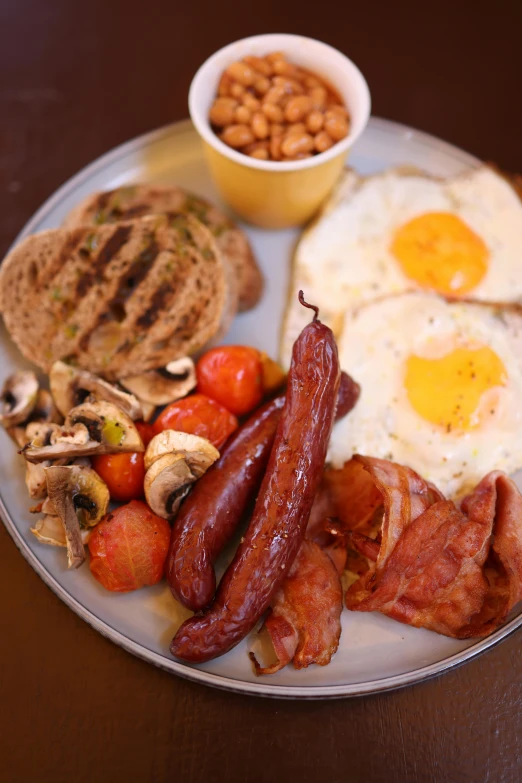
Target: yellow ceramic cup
276 194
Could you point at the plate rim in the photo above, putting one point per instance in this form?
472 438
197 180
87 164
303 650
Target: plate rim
307 692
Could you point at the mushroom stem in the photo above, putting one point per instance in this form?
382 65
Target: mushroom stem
58 486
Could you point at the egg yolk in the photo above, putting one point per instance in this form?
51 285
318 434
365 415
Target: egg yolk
448 391
439 251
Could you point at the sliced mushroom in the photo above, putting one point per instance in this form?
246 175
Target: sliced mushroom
18 398
35 480
174 461
43 411
159 387
18 435
48 507
50 530
198 452
80 499
166 483
70 387
96 427
148 410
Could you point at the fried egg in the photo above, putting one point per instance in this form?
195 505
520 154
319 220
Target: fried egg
394 232
441 387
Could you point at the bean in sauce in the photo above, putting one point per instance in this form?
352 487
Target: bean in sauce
271 109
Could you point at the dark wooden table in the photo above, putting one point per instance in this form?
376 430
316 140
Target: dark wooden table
75 80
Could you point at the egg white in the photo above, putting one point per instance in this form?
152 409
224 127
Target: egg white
344 258
374 347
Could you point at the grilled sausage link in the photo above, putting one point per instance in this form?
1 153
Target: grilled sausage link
210 515
283 506
212 512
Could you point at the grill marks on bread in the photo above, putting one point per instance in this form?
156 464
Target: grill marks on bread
115 299
131 202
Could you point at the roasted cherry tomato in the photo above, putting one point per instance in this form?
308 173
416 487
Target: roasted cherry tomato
129 548
146 431
198 415
273 375
123 474
233 376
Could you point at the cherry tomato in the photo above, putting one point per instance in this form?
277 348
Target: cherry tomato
273 375
123 474
198 415
146 431
129 548
233 376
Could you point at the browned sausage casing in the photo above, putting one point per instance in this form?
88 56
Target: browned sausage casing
349 392
212 512
210 515
283 506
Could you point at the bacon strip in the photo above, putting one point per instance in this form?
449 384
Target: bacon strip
437 567
304 624
349 494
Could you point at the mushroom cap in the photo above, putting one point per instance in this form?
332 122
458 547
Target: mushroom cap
167 481
198 452
18 398
160 387
90 495
70 386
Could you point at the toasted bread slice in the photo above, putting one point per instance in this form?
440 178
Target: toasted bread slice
115 299
129 202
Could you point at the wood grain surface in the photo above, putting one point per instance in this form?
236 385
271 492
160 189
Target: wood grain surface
77 78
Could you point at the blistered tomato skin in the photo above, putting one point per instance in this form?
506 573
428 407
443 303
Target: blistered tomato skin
198 415
129 548
123 474
233 376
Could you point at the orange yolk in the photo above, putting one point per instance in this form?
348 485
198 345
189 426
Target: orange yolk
439 251
448 391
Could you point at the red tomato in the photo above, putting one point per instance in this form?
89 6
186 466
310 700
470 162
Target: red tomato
198 415
129 548
146 431
233 376
123 474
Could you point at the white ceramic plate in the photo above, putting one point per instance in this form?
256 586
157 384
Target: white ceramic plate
375 653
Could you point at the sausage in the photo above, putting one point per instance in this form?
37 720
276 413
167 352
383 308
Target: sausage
283 505
212 512
210 515
349 392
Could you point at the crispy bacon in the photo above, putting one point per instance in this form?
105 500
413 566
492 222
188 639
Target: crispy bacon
350 495
439 567
347 500
304 624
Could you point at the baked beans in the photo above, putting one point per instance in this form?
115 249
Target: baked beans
271 109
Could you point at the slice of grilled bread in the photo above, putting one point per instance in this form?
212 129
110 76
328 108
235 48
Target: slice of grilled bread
129 202
115 299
